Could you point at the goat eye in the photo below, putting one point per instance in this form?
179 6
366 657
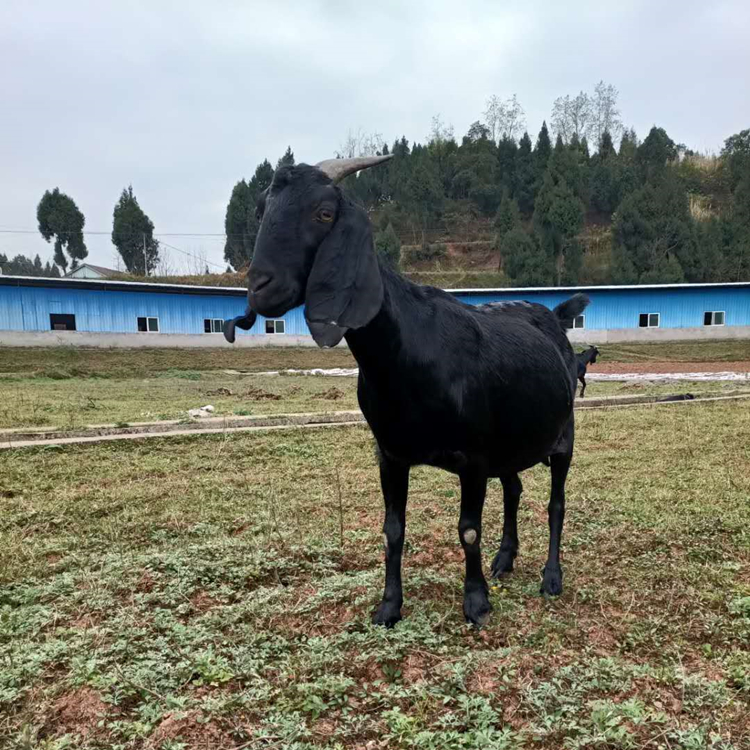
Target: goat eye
324 215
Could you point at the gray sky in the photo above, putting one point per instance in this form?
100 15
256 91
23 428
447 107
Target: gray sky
184 99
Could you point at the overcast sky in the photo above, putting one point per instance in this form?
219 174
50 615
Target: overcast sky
184 99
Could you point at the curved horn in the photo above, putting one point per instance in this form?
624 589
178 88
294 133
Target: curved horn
337 169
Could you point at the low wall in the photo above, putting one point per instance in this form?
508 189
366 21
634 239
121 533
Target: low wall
213 341
145 340
634 335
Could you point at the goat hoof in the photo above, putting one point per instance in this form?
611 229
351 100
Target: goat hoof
387 615
552 581
477 608
502 564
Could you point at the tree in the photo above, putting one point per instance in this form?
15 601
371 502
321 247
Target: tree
20 265
605 177
572 116
478 131
241 222
360 143
523 261
287 160
505 118
736 156
542 152
558 217
59 217
652 234
508 216
606 116
526 173
238 245
507 152
133 235
654 154
388 246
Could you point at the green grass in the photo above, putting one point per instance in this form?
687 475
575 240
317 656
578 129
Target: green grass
200 592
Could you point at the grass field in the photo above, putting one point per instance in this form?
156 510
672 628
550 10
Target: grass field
66 362
215 592
68 388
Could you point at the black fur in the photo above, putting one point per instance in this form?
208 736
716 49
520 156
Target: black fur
585 359
245 322
480 391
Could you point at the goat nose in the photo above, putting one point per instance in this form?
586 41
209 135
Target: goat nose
258 280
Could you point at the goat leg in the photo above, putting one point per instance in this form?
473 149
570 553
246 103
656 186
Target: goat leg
503 562
394 480
476 602
552 574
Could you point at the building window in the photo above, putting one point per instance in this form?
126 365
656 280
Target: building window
275 326
213 325
148 325
648 320
713 319
579 321
59 322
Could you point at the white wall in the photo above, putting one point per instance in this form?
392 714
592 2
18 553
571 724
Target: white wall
178 340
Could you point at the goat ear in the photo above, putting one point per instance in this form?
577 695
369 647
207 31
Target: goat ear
245 322
344 289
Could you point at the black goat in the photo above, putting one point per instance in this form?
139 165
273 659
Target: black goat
480 391
584 360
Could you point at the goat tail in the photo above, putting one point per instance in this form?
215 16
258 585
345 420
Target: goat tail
570 309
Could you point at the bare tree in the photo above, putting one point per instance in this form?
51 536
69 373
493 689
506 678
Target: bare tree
606 116
572 116
439 132
505 118
360 143
165 266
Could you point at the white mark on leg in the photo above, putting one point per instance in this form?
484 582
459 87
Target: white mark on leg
470 536
385 542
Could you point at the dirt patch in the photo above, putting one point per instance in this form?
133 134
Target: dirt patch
202 602
78 712
220 392
332 394
617 368
190 727
258 394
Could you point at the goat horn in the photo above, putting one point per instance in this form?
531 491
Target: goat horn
337 169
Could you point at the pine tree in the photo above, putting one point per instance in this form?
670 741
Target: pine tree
524 262
526 178
558 217
508 216
241 222
59 217
388 246
542 152
287 160
507 153
133 235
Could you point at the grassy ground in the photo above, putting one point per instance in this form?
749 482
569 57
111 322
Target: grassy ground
74 402
66 362
74 387
215 592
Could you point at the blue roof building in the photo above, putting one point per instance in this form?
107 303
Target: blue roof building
45 311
